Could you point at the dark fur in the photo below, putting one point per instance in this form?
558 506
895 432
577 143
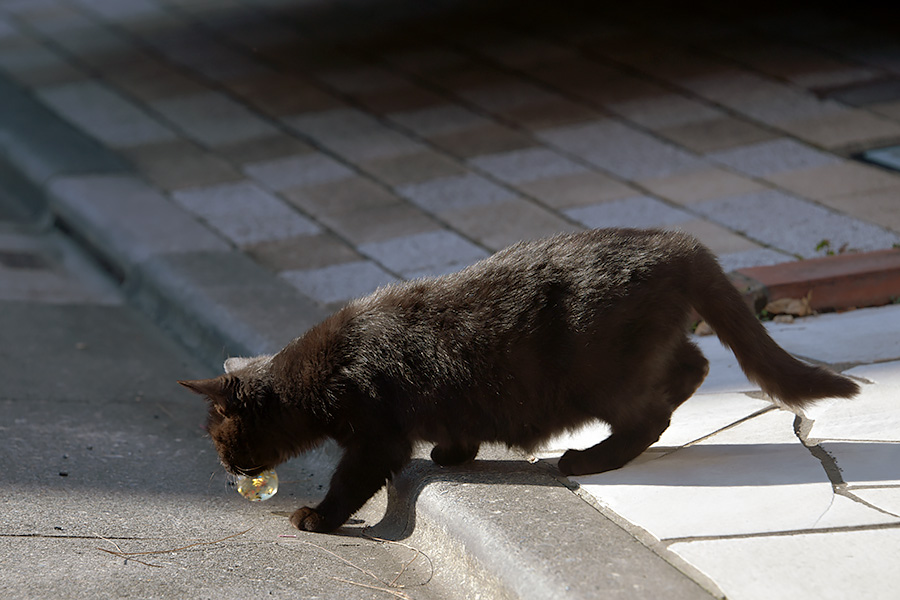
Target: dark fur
537 339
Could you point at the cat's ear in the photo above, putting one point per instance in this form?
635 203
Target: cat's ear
237 362
211 388
215 390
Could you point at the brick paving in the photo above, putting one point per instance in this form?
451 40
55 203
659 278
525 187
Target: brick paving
346 145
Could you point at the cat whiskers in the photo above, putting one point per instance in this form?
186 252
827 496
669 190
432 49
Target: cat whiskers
240 471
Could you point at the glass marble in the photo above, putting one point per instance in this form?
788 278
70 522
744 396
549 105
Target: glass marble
259 487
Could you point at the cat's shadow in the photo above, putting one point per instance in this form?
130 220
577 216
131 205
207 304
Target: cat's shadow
712 465
403 493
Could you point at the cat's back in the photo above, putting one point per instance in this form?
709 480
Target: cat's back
598 259
595 267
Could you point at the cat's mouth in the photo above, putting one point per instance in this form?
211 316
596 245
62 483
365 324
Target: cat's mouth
251 472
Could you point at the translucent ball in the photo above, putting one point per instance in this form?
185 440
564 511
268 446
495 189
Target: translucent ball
259 487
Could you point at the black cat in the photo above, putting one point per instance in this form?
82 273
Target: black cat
535 340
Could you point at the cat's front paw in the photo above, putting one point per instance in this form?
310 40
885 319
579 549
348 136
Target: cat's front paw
307 519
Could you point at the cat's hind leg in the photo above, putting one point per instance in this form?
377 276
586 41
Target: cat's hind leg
454 454
622 446
634 432
686 372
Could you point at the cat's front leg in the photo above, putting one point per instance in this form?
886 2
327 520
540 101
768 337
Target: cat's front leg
364 468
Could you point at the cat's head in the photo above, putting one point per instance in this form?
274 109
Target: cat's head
245 415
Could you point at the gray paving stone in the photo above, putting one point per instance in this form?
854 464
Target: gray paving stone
785 106
665 111
245 213
334 124
380 144
353 134
118 11
650 159
361 79
430 252
636 211
454 192
498 98
197 50
336 283
733 261
523 166
731 86
298 170
583 138
104 114
621 150
438 120
26 62
793 224
774 156
496 226
212 118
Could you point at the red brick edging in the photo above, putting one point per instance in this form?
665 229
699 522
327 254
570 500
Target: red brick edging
837 282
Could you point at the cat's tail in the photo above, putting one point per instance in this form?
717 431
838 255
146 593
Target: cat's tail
780 375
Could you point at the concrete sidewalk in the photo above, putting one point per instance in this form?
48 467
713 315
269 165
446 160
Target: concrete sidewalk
245 167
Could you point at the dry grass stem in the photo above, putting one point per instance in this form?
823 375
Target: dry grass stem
349 563
416 555
130 555
396 593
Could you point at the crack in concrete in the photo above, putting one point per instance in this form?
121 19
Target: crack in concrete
63 536
802 427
